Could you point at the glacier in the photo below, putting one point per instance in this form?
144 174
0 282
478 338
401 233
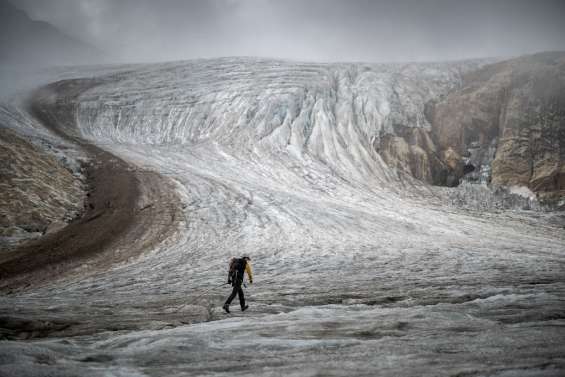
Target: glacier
361 269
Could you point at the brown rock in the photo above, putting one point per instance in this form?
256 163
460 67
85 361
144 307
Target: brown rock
520 103
36 188
507 119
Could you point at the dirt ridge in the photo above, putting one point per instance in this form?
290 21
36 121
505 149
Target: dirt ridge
126 212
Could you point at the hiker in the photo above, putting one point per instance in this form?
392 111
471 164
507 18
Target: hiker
238 266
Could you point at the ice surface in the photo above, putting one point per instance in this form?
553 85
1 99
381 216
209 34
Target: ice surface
359 270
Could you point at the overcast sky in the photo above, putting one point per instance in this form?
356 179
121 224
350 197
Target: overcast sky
321 30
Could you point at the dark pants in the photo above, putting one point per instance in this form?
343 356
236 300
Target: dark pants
237 290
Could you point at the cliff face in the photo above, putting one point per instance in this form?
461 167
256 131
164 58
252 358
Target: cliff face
516 108
505 125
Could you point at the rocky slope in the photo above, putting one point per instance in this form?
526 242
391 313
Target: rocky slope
41 180
506 125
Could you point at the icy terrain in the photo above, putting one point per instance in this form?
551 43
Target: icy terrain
359 268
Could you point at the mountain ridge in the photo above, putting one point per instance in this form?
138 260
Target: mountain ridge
28 42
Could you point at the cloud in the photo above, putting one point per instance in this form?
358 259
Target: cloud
326 30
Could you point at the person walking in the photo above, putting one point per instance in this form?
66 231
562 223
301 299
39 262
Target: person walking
238 266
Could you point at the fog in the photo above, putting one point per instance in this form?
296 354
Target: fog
318 30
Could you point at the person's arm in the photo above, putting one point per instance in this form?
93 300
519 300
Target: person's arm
249 272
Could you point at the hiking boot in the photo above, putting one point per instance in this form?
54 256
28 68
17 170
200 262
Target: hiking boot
244 308
226 307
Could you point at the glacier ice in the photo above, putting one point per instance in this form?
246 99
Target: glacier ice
360 269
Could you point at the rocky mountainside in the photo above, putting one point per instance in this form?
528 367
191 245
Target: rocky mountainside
518 107
38 193
40 178
505 125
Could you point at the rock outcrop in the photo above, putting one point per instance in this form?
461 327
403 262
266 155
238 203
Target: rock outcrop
39 193
506 125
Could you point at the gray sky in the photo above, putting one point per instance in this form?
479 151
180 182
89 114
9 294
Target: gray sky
321 30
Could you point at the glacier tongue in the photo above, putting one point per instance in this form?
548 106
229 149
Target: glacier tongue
335 114
359 268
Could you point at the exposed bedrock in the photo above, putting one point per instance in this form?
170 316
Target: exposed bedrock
507 125
39 193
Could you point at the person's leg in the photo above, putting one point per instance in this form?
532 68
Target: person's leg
241 298
232 296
